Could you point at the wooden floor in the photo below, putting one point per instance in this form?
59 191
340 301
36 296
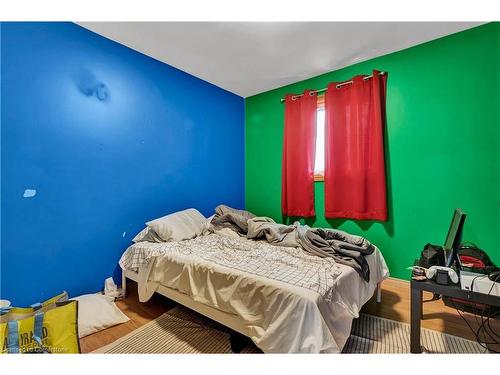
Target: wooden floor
395 305
139 314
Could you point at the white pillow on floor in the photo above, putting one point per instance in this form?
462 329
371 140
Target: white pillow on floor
97 312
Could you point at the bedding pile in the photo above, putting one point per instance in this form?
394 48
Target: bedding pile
343 247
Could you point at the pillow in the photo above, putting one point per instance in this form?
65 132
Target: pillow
97 312
208 229
181 225
147 234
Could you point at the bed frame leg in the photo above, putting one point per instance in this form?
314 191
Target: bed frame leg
238 342
124 284
379 292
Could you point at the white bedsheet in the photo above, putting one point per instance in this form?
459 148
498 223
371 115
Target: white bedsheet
308 314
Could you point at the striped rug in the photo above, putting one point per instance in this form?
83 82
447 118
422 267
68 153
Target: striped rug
183 331
371 334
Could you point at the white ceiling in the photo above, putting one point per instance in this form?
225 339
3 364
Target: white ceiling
247 58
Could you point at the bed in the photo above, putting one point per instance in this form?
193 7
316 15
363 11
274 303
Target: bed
285 300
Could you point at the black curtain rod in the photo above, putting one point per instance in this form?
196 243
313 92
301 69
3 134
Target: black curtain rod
338 86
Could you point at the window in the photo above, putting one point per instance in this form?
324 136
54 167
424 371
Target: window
319 158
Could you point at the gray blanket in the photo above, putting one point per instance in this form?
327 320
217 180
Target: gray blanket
227 217
274 233
343 247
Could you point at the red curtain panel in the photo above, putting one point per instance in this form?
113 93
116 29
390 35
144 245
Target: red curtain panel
297 194
355 183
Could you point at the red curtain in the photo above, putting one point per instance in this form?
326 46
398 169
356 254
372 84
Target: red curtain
297 193
355 184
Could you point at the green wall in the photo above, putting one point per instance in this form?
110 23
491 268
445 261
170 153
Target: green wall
442 146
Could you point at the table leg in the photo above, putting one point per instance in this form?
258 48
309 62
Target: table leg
415 316
124 284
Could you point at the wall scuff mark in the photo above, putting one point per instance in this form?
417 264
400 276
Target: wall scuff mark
29 193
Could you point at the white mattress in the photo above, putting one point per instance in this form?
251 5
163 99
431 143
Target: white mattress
288 300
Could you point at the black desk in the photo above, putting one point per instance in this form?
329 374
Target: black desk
417 287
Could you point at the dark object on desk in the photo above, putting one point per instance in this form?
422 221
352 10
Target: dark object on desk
495 276
447 255
474 259
454 238
432 255
442 277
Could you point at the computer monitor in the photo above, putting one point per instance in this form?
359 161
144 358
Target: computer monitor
454 238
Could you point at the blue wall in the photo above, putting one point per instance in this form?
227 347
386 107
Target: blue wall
156 140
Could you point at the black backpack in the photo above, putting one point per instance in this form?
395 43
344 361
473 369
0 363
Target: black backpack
432 255
474 259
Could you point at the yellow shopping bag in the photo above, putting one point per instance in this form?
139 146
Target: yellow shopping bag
49 327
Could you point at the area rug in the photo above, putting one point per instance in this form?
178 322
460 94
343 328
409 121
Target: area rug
371 334
181 330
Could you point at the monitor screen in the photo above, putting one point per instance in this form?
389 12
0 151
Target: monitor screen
454 237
